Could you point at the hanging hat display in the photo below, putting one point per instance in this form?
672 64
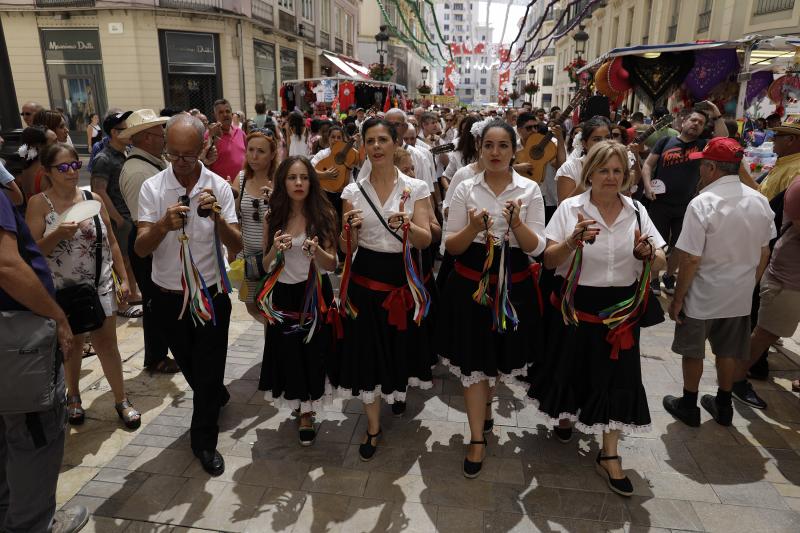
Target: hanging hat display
786 85
618 78
654 78
601 81
711 67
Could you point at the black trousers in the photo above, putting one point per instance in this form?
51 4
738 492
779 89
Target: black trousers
200 351
155 345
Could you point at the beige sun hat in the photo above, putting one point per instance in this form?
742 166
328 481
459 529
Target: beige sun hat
141 120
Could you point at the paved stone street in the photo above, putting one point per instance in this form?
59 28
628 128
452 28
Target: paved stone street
742 478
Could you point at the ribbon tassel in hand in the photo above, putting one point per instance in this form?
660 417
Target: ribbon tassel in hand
504 312
481 294
419 294
264 293
196 296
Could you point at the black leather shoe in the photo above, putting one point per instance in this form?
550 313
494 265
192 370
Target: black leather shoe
744 393
722 414
688 415
367 450
563 434
399 409
623 486
473 470
212 462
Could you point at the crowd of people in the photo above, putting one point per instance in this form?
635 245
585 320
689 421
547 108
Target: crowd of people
543 279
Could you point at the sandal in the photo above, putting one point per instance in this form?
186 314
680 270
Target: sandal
472 469
165 366
129 416
75 413
623 486
367 450
307 434
88 349
134 311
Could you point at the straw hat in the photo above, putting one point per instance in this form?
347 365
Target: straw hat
141 120
792 128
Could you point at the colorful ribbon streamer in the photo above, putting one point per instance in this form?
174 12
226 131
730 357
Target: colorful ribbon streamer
196 296
481 294
419 294
314 309
346 306
264 293
504 313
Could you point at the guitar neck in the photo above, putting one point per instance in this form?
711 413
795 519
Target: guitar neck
640 138
558 122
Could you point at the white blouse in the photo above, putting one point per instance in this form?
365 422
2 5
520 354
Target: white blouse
571 169
296 262
609 261
463 173
474 193
372 234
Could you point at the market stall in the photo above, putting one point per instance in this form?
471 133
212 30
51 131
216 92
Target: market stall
339 93
733 74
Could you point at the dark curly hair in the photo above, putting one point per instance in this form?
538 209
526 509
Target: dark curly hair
321 218
466 141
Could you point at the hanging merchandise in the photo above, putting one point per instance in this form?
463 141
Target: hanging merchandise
711 67
328 90
654 78
347 94
785 89
757 86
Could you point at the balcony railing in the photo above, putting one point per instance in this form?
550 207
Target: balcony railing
263 11
64 3
194 5
764 7
338 46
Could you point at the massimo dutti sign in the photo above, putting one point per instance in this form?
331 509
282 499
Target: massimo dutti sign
71 45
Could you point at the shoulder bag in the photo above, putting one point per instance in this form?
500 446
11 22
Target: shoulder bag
378 213
29 357
80 301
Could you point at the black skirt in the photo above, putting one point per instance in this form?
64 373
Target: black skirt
466 340
578 380
293 372
376 358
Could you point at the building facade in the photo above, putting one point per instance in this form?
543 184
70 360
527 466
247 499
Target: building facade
541 19
179 53
406 55
618 23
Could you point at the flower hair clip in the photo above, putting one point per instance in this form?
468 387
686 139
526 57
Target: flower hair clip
29 153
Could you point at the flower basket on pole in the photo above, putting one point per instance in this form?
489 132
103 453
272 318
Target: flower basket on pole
381 72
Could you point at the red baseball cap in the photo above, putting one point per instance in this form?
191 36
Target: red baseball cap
722 149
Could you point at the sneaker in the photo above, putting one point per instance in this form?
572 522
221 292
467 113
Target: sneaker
688 415
655 286
744 393
722 415
70 519
669 283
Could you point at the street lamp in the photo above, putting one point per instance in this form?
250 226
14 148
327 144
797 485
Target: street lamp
441 86
580 38
382 38
424 73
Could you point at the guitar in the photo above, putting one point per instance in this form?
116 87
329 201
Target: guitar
343 158
645 134
539 149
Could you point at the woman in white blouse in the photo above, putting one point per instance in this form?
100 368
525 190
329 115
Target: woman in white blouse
591 374
568 176
479 341
384 349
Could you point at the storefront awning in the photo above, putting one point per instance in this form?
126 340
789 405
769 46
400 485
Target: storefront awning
348 66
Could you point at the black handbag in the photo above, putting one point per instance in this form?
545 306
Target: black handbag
653 313
80 301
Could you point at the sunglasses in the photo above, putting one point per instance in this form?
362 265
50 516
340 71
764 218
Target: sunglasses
256 214
25 114
64 167
529 127
264 131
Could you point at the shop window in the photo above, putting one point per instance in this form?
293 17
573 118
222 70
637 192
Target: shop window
288 64
190 64
266 79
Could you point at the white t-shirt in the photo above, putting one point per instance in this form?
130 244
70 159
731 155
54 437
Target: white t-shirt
372 234
298 146
727 225
609 262
474 193
162 191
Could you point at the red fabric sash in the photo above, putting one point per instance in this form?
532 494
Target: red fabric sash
397 303
620 338
516 277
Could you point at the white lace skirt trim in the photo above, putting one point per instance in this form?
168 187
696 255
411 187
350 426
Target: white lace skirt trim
477 377
594 429
303 407
370 396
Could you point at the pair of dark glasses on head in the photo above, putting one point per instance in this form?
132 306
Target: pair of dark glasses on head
265 131
64 167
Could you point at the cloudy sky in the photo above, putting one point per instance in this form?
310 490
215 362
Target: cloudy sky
497 17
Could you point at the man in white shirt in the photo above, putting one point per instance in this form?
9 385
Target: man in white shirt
187 200
724 249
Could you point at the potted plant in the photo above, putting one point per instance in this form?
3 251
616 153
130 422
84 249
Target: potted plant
514 95
381 72
531 88
572 71
423 89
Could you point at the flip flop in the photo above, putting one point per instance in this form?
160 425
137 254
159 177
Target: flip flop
134 311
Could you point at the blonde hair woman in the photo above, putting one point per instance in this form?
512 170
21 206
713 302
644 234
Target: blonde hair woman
591 374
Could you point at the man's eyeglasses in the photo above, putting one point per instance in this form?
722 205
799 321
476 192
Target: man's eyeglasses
64 167
25 114
174 158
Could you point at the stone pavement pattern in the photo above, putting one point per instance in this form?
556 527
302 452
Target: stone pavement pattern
742 478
